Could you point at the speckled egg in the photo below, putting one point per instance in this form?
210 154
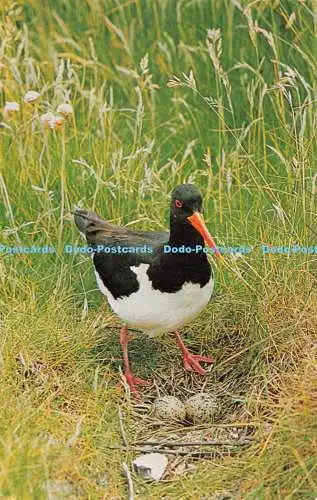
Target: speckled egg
169 408
201 408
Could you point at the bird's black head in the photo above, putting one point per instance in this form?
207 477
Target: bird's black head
186 199
186 208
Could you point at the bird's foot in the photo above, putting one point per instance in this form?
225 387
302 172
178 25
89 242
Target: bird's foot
192 362
132 381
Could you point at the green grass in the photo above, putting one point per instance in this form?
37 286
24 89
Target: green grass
158 100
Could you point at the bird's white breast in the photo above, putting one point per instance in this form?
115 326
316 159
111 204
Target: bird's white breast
157 312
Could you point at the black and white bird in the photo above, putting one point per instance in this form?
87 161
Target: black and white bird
153 287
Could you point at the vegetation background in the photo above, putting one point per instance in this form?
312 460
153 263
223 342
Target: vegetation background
219 93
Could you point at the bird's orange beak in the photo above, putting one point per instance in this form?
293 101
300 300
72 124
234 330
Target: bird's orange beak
198 222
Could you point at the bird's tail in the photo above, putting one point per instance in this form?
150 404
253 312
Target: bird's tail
85 220
97 230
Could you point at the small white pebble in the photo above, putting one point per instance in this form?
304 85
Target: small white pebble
65 109
169 408
201 407
31 96
151 465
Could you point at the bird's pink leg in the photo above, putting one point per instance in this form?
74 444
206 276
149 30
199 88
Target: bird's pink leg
191 361
132 381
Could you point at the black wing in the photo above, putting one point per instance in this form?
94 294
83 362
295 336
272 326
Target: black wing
114 269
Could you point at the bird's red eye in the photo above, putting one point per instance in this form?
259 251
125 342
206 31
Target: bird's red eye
178 203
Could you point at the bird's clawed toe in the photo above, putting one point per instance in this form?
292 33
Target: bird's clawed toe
192 362
132 381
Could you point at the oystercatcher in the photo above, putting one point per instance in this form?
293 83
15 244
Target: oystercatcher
155 282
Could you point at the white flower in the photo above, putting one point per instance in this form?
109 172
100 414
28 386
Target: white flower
31 96
46 118
65 109
52 121
56 121
10 108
